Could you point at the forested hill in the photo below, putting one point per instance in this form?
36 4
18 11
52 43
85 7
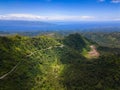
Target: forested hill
48 63
105 39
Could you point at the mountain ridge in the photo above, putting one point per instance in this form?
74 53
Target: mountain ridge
57 64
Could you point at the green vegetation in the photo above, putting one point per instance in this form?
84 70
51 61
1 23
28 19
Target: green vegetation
48 63
76 42
105 39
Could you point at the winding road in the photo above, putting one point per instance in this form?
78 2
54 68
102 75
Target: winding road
32 53
10 71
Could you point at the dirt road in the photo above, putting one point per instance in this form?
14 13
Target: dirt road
93 52
32 53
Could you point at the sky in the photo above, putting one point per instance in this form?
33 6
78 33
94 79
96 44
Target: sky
60 10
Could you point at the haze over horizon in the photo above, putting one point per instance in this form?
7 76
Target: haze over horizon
60 10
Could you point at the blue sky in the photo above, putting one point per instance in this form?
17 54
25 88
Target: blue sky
65 10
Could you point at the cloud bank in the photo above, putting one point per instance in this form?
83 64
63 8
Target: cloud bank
112 1
37 17
56 18
115 1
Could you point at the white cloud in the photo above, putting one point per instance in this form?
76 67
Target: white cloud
37 17
117 19
87 17
55 18
21 17
101 0
112 1
115 1
70 17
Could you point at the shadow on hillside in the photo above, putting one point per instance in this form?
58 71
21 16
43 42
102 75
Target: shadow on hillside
99 74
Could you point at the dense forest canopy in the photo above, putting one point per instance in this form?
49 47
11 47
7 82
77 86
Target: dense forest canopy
48 62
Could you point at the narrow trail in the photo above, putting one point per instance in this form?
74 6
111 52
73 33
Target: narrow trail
2 77
32 53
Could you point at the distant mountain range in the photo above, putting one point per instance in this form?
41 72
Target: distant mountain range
17 26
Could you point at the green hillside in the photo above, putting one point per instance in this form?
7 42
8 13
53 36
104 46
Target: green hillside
76 42
49 63
105 39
